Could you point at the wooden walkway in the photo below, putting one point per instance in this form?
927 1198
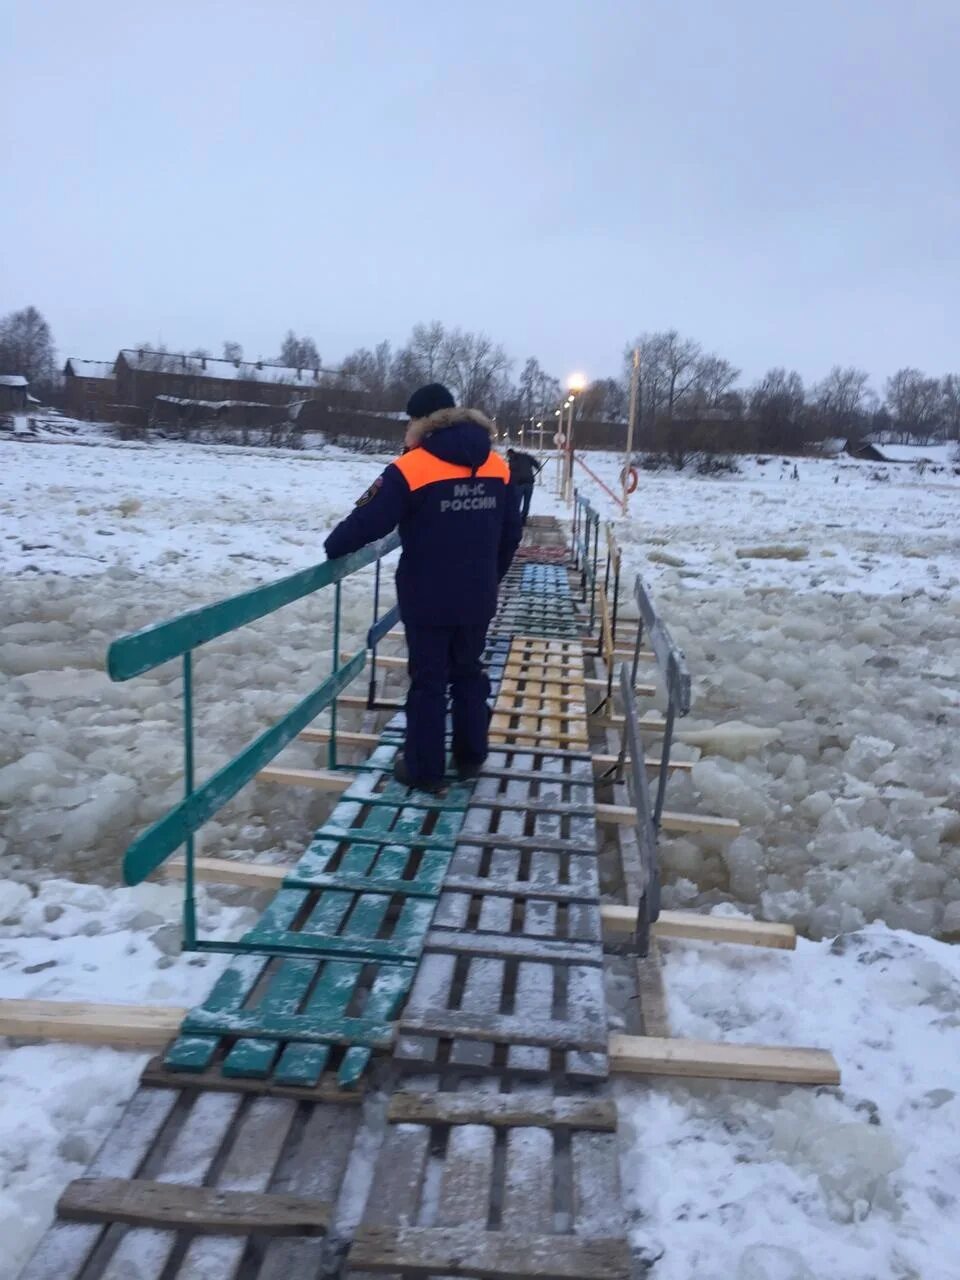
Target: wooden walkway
489 1146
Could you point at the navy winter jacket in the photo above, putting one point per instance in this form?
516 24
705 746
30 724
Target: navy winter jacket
458 515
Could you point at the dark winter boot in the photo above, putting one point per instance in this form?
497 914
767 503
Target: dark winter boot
467 772
402 775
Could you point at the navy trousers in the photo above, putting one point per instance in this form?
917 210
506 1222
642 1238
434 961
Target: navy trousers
526 497
440 657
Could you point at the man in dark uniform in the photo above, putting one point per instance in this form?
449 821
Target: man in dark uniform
459 521
523 473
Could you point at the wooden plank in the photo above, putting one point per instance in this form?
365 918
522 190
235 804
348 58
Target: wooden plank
603 762
626 815
489 1255
505 1110
316 779
250 875
200 1209
528 1182
157 1075
574 892
513 946
317 1167
597 1200
82 1022
465 1189
620 920
704 1059
345 737
587 1031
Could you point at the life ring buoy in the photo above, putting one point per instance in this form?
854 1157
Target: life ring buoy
630 477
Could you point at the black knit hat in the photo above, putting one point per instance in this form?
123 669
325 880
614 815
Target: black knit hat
429 399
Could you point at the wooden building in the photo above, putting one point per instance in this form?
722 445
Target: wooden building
90 390
13 392
142 375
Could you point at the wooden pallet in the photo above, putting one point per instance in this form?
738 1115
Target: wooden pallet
542 700
523 1185
511 979
194 1183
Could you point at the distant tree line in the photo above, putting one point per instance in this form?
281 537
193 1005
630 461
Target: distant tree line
689 399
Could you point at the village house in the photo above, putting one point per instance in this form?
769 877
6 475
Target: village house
13 392
89 389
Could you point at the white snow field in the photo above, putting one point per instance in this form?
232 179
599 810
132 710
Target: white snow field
825 658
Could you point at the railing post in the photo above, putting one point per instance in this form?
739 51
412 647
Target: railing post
189 903
332 747
372 687
593 575
664 762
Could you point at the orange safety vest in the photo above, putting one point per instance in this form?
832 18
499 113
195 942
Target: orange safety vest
420 468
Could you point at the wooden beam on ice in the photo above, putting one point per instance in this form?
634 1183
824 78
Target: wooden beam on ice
625 815
345 737
247 875
317 779
620 921
705 1059
80 1022
602 763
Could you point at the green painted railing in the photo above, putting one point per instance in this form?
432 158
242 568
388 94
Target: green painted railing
144 650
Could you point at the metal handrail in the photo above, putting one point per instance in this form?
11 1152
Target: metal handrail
672 662
144 650
141 651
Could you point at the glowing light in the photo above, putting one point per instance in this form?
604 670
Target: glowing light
576 382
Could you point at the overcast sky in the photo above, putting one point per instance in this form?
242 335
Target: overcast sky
779 179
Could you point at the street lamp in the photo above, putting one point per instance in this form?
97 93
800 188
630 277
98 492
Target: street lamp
575 384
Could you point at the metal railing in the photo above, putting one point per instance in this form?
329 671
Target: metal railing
586 549
672 663
142 651
649 888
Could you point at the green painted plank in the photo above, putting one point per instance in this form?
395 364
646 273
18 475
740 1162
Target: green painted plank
288 1027
143 650
303 1064
418 888
387 994
354 835
195 1053
255 1056
156 844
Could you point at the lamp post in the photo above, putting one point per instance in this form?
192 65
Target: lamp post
575 384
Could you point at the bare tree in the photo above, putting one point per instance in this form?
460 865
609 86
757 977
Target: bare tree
950 405
777 404
372 370
26 347
843 400
478 368
714 378
915 402
232 351
299 353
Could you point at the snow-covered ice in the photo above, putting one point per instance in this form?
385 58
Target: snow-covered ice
825 718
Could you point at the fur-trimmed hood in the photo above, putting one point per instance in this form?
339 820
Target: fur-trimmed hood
420 428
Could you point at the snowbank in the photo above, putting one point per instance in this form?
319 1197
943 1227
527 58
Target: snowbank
766 1182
